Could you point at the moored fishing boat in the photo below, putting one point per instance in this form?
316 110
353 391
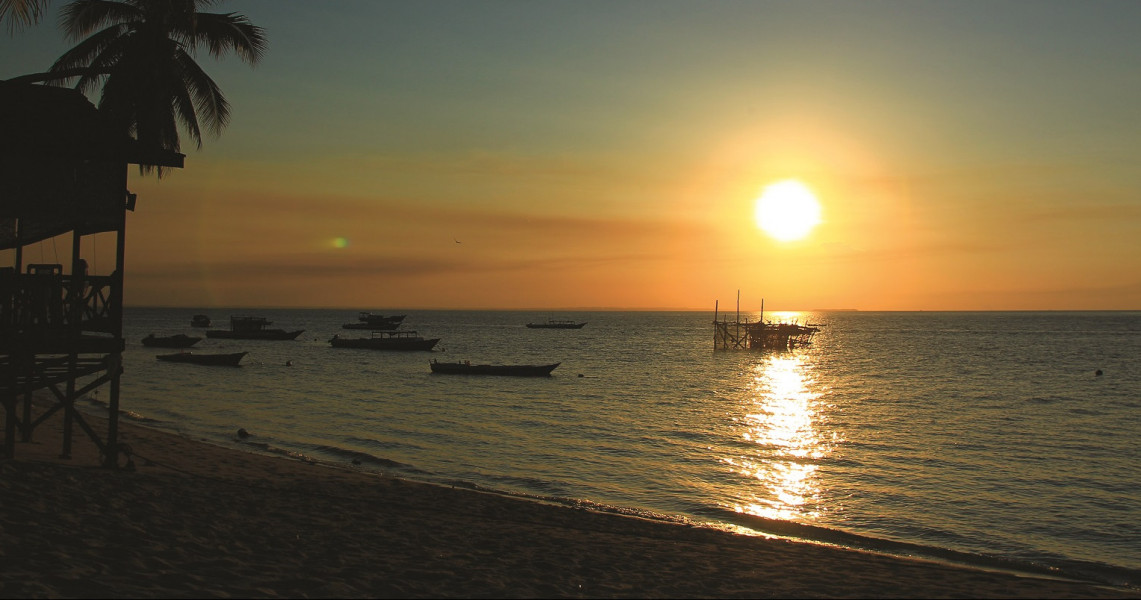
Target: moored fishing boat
467 368
557 324
218 360
252 328
387 340
170 341
367 320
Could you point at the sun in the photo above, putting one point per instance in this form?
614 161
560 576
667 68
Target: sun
787 210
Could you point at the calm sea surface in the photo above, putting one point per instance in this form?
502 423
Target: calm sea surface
980 437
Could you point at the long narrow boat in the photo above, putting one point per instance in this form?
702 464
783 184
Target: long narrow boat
171 341
387 340
466 368
218 360
252 328
557 324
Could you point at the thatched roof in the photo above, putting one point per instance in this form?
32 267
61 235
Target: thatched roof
62 164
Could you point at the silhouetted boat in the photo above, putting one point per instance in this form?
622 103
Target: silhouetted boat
557 324
219 360
199 321
387 340
368 320
466 368
252 328
171 341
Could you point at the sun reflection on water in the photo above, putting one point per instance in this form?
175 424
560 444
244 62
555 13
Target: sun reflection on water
782 420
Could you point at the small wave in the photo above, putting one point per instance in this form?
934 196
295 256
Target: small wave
624 510
1086 411
358 457
386 445
1048 399
1076 570
268 448
288 453
581 503
468 485
132 416
138 418
698 436
1100 573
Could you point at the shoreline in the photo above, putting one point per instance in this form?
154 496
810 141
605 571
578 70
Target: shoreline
193 519
741 524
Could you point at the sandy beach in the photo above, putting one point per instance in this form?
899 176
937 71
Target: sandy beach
197 520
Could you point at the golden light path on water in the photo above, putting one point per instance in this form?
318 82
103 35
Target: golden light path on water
782 418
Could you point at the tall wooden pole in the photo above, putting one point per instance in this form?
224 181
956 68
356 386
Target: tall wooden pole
19 249
715 325
737 330
115 360
764 339
70 312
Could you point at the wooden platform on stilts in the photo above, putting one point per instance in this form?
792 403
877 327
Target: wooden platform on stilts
759 334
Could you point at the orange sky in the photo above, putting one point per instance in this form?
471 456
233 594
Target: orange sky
973 156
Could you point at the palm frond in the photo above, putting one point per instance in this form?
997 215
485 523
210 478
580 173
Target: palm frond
223 33
21 13
184 107
208 97
164 115
94 56
81 17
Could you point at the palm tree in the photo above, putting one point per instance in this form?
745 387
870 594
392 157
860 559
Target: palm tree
142 53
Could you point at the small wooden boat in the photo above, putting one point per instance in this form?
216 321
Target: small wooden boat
557 324
387 340
466 368
199 321
219 360
367 320
171 341
252 328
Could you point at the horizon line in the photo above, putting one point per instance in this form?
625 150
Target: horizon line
628 309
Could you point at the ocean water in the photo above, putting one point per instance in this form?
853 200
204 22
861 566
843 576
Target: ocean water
987 438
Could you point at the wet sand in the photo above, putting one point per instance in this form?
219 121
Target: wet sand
196 520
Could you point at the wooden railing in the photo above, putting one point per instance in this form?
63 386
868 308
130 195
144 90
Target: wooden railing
46 304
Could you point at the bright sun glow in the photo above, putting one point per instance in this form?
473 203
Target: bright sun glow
787 210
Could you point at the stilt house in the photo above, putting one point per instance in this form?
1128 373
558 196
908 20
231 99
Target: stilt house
63 170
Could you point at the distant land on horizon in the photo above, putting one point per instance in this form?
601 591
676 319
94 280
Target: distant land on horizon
393 309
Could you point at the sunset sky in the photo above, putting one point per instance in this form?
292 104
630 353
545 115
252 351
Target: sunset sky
479 154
